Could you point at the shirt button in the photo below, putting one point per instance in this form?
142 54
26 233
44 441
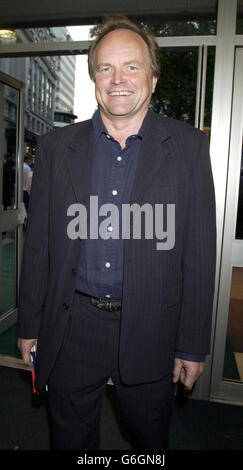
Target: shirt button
110 228
119 159
114 192
108 296
107 265
108 136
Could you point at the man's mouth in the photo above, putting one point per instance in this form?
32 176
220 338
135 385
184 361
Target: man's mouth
120 93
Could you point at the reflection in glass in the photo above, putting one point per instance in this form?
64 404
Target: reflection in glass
8 271
8 126
233 364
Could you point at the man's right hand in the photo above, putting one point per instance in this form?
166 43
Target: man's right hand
25 346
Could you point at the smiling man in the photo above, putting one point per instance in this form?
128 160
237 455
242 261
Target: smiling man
124 81
108 307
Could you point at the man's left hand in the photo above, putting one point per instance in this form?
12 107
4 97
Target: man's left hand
187 372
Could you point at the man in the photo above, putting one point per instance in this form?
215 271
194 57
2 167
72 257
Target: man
126 307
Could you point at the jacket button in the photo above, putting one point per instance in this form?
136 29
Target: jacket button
65 306
74 271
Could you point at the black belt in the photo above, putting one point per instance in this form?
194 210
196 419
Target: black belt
109 305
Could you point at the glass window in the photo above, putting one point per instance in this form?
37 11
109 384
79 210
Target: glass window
42 98
175 93
39 98
183 19
8 144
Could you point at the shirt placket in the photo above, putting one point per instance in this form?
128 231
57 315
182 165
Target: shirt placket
113 195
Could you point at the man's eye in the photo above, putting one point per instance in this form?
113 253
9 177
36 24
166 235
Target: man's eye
132 67
105 69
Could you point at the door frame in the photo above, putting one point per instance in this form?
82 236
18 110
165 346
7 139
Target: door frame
13 218
224 389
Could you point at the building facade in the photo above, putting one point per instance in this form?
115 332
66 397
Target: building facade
65 69
49 86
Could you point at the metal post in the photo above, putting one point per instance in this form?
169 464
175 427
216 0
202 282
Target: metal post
219 149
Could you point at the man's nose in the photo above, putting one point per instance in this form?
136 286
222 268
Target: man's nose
117 76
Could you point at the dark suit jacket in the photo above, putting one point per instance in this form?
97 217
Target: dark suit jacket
167 294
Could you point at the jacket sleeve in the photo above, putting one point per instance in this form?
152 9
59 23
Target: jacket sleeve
35 260
198 259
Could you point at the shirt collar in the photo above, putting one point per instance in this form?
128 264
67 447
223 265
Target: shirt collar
99 127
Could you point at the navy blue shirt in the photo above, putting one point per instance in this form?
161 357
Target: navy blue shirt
100 271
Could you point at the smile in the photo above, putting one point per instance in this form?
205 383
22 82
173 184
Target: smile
120 93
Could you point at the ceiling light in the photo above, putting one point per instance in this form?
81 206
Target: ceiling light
8 35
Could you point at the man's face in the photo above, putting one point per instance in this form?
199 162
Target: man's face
123 76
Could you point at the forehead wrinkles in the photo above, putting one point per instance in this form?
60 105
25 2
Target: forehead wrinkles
122 43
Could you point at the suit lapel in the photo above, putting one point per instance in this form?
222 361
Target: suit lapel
154 152
79 157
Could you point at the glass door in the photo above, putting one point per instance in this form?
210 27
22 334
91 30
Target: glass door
227 370
11 209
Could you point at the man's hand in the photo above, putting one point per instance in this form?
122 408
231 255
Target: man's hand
25 346
187 372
